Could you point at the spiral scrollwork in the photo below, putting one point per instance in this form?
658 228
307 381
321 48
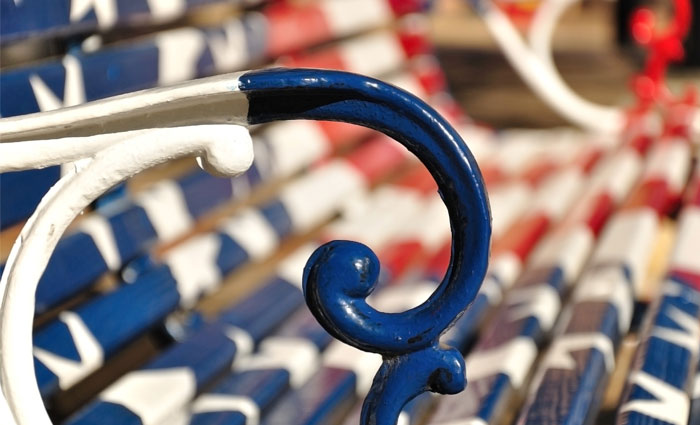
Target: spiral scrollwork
341 274
338 277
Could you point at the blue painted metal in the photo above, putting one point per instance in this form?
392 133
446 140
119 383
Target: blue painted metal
340 275
327 395
262 387
408 341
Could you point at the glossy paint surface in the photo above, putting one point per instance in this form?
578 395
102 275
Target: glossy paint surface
340 275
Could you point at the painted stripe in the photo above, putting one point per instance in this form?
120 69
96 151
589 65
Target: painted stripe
178 53
299 356
73 88
541 302
166 208
558 193
433 227
568 250
295 145
408 83
243 340
559 354
362 363
686 253
253 233
618 174
523 235
399 298
99 229
512 359
230 50
671 405
687 337
382 216
69 372
481 140
507 203
608 284
506 267
345 18
141 392
374 54
193 264
105 11
223 403
629 239
166 10
316 196
292 267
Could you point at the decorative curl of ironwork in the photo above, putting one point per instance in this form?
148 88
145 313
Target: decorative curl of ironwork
113 136
341 274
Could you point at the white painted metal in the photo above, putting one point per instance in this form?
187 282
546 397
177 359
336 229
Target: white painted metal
204 101
106 161
533 61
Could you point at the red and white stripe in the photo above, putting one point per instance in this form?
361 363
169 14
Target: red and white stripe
326 188
373 54
293 27
570 244
630 236
557 194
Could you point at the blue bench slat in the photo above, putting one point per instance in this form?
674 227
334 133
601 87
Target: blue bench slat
196 361
145 302
21 192
147 310
515 324
261 386
55 18
76 261
664 369
203 356
579 362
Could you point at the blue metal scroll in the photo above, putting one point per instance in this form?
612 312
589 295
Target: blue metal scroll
340 274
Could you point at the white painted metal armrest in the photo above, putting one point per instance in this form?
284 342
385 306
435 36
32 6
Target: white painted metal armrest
534 62
207 101
547 83
107 160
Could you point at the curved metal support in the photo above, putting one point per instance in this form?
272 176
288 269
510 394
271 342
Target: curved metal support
533 61
408 340
544 79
